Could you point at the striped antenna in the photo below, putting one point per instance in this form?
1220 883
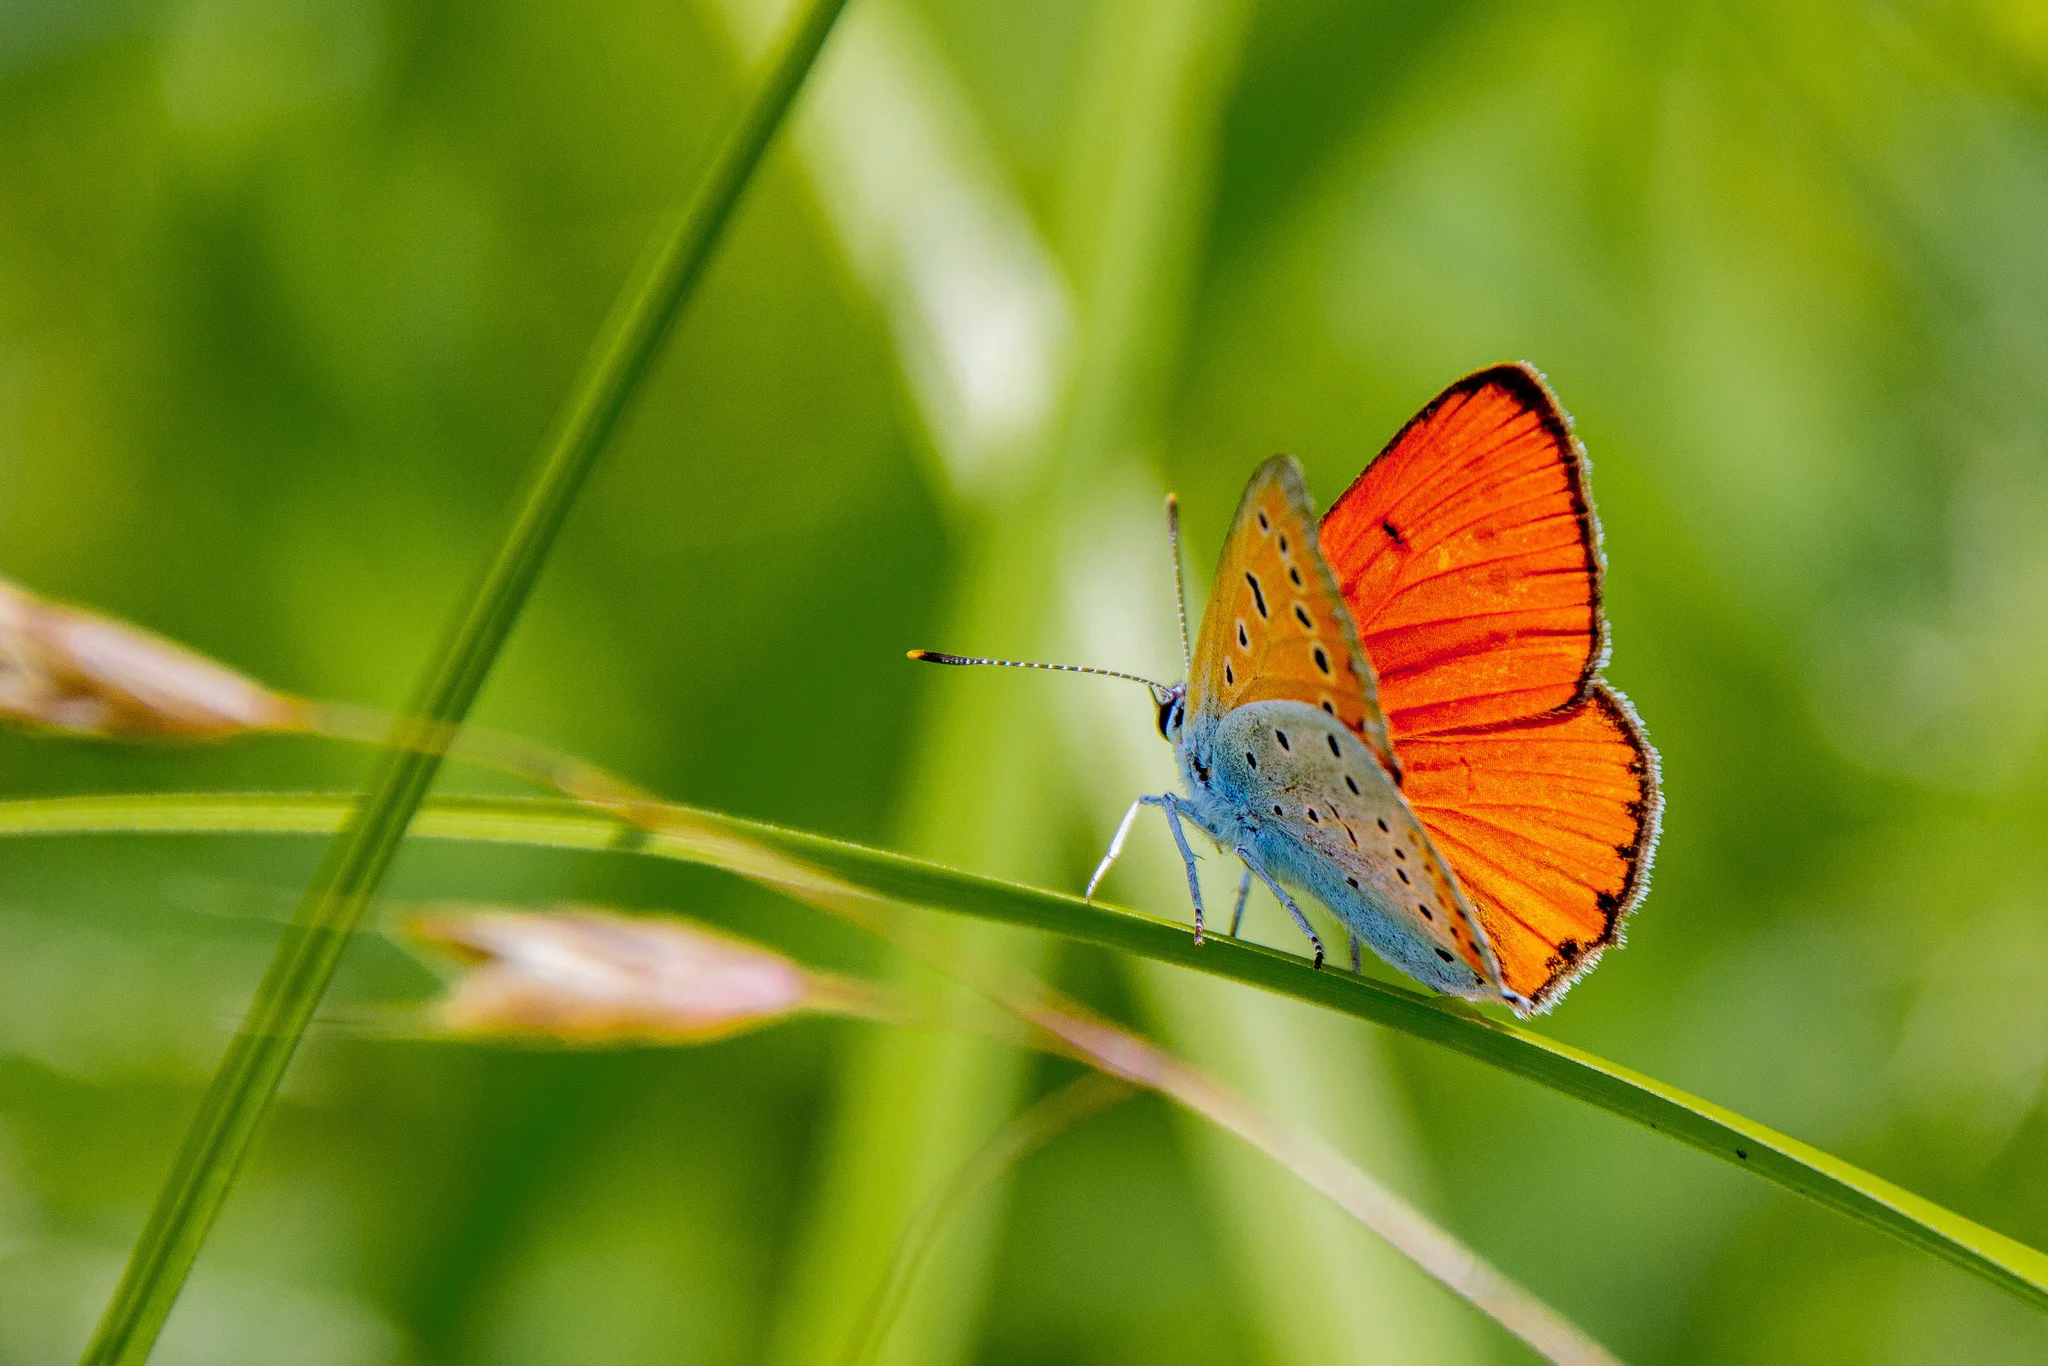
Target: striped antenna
935 657
1180 592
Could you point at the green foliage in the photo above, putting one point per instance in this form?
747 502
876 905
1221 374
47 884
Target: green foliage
362 851
289 293
807 864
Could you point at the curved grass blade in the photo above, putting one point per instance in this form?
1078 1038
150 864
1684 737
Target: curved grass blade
813 864
356 861
587 977
1043 1121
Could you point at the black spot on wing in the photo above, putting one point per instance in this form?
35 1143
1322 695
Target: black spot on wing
1258 593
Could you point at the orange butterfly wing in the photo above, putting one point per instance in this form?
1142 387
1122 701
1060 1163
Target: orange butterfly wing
1277 628
1470 557
1550 825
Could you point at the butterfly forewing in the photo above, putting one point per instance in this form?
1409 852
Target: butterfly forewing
1470 556
1276 628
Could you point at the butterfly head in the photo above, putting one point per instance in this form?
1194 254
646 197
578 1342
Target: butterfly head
1172 705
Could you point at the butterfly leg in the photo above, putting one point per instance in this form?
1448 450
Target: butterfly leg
1166 801
1116 846
1316 940
1357 956
1244 891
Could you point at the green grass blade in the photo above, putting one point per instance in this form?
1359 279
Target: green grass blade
357 859
794 858
1038 1125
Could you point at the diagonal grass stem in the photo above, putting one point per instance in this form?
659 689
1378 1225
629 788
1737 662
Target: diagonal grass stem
806 865
360 854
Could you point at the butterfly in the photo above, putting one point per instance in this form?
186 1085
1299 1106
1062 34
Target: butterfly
1398 709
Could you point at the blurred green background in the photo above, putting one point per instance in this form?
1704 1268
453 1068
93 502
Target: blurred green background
291 289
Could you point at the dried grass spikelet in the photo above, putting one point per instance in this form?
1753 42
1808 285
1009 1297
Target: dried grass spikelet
576 975
69 670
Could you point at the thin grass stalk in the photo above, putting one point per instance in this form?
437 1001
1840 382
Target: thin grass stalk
356 861
606 978
1043 1121
1406 1229
1116 1052
804 863
914 1108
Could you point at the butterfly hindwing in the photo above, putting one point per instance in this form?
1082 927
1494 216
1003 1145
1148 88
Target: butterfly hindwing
1551 825
1325 816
